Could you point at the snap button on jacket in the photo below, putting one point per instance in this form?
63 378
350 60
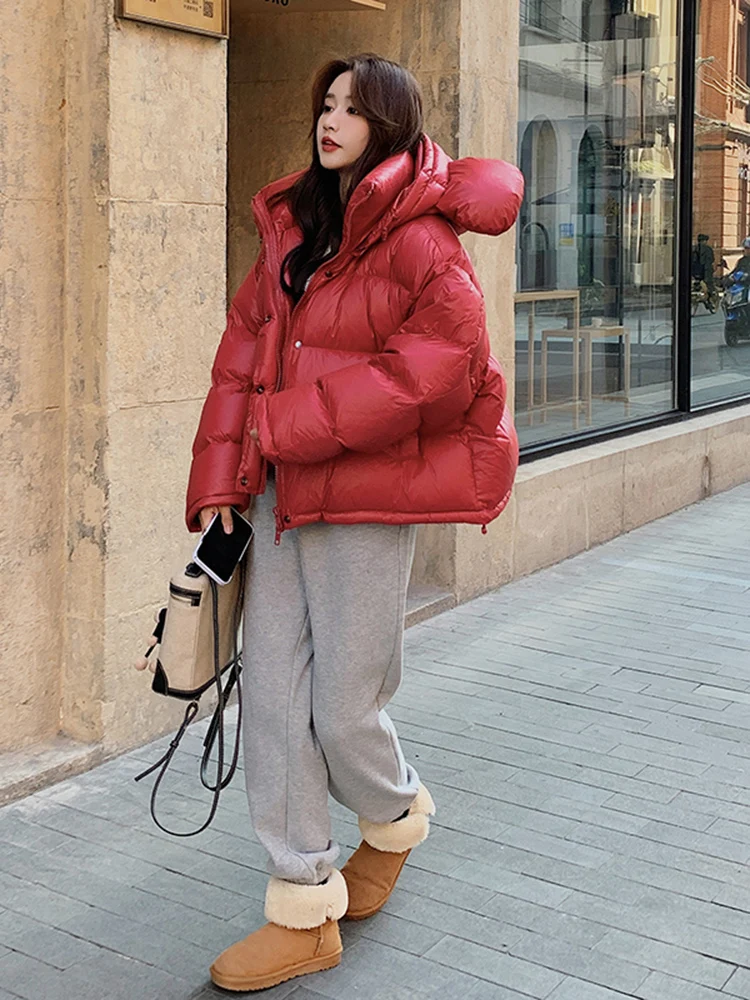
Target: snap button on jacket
382 400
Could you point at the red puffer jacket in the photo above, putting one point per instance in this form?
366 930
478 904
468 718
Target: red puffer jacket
376 396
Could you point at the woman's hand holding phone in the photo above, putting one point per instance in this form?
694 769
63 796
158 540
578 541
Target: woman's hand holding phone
226 517
219 551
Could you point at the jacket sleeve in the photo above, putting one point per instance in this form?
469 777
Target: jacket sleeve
217 448
428 363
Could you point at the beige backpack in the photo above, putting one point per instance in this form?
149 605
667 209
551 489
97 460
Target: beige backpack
197 642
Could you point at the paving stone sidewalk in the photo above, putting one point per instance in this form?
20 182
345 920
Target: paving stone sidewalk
586 734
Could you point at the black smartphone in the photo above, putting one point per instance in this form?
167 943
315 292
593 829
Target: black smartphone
218 553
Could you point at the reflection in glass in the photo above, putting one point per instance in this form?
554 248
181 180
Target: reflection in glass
594 316
720 259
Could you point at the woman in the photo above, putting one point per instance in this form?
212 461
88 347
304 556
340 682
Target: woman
354 395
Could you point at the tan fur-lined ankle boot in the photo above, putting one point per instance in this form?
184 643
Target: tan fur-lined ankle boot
371 872
302 936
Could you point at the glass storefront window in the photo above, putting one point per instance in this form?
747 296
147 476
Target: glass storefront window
595 253
720 263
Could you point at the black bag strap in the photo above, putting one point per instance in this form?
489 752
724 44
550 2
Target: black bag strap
216 726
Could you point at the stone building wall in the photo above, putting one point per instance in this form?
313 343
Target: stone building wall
113 278
32 418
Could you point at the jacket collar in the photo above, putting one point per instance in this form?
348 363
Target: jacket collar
473 194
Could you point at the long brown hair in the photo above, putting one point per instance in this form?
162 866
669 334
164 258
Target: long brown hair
389 97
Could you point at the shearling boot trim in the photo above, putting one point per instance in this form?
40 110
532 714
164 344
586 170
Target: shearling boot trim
405 833
300 907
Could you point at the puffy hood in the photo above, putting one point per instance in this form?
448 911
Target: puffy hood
476 195
482 196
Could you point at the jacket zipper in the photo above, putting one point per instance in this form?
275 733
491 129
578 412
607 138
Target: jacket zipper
291 316
268 240
283 340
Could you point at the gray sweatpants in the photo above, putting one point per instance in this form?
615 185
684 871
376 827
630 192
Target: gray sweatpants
323 647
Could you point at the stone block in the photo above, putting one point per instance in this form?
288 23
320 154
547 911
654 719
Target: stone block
437 45
440 92
29 659
665 469
489 40
402 934
32 557
31 550
81 679
665 957
167 302
602 478
31 938
31 346
488 116
484 562
167 122
31 151
86 525
728 452
149 461
551 517
131 712
243 245
475 959
434 558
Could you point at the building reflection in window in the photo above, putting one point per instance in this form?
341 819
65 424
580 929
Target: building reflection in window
720 327
597 148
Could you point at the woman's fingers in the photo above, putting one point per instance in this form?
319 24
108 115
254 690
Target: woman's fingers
226 517
205 516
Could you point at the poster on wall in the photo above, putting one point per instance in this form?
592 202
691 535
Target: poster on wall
206 17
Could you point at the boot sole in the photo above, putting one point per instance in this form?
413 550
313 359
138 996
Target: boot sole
264 982
364 914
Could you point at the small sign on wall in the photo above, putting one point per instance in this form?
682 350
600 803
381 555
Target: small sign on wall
307 6
206 17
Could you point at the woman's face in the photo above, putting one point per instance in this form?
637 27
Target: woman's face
342 132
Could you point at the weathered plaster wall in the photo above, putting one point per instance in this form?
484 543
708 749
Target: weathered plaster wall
31 362
84 200
166 296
